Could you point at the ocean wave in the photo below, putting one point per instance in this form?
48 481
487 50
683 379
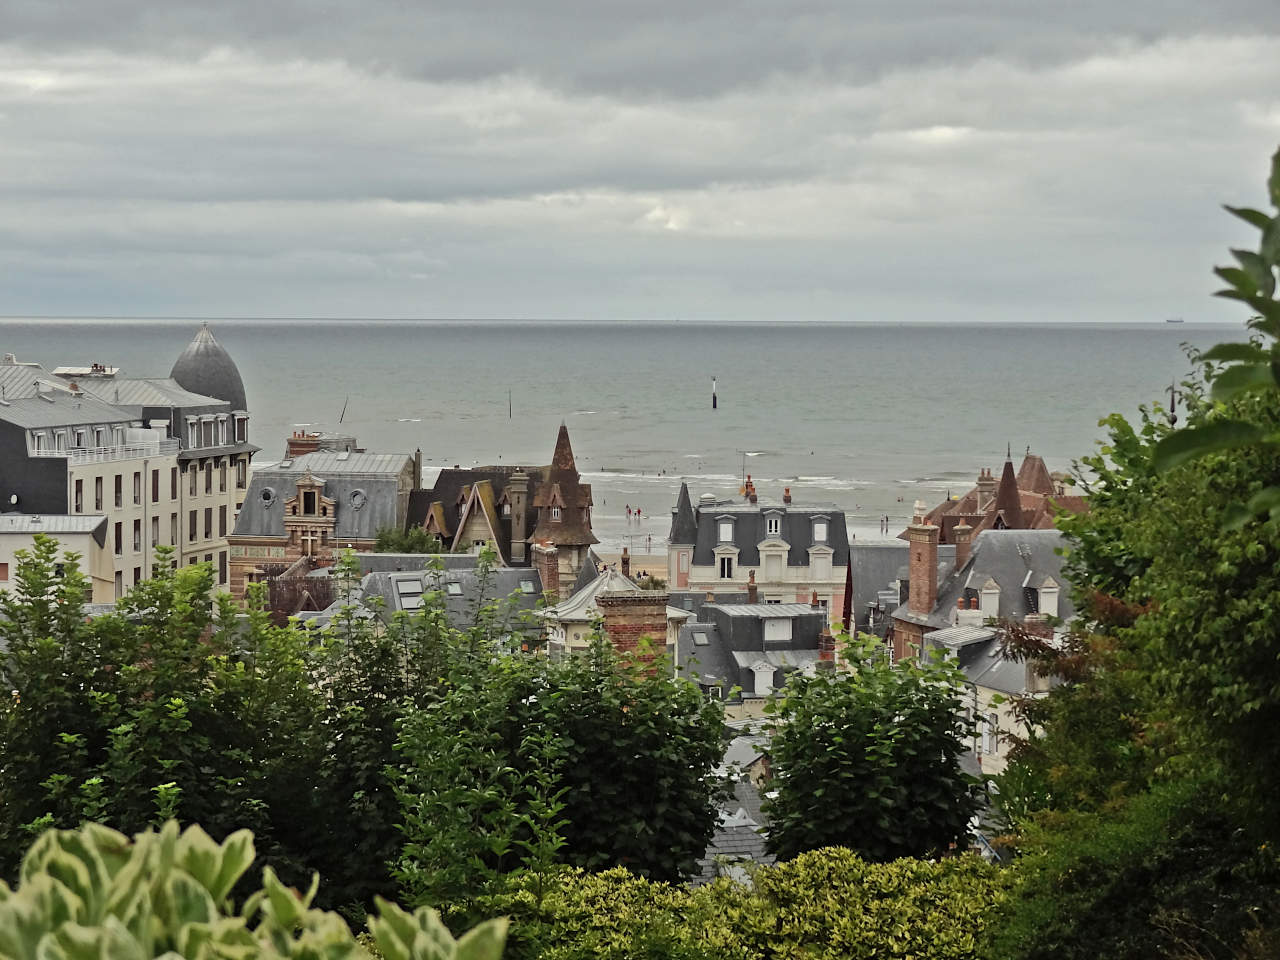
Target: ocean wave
409 420
582 413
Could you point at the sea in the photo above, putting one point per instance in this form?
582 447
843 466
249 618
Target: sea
868 417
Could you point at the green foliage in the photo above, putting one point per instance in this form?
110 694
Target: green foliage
869 759
412 540
1251 368
823 904
590 759
1169 875
93 893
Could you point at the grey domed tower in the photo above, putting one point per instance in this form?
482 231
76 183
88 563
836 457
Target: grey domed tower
207 369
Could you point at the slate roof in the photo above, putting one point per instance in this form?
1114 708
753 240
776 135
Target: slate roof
749 530
364 486
19 379
442 499
876 565
562 488
740 836
1006 556
684 524
719 647
55 523
61 409
205 368
404 590
581 606
154 392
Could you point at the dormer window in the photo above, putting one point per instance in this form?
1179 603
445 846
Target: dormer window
773 525
555 514
506 509
725 528
820 531
309 503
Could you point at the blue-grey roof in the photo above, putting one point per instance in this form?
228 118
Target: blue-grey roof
1008 557
19 379
153 392
876 565
740 837
60 408
749 528
207 369
365 488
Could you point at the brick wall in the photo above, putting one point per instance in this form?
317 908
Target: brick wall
629 616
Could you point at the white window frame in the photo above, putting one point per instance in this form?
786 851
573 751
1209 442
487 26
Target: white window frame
723 525
773 526
823 525
726 568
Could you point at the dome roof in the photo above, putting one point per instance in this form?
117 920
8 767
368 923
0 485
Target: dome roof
207 369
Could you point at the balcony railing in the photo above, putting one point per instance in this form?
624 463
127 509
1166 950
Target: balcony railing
76 456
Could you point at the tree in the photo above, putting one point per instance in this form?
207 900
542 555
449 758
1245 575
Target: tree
412 540
628 750
869 758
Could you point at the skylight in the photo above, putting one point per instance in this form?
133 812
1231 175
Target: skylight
526 586
454 588
700 639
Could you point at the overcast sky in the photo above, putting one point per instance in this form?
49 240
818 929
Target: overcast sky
820 159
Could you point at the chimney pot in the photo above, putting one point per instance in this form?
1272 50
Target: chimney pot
753 592
711 596
814 601
973 603
786 494
960 604
626 562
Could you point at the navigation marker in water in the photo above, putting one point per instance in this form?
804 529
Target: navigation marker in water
713 393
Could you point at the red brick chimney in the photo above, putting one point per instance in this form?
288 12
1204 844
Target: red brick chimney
631 616
922 540
986 488
826 646
753 592
962 537
813 603
546 560
786 494
626 562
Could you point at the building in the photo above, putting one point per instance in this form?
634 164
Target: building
790 550
1025 500
530 516
744 651
164 463
82 535
304 510
571 622
1004 575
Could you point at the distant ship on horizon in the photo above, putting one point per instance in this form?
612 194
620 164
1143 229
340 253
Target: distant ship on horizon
1173 320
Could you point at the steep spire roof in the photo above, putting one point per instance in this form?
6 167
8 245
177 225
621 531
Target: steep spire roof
1008 501
206 368
562 459
684 525
1034 476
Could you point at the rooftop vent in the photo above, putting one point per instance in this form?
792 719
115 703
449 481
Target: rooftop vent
344 455
707 498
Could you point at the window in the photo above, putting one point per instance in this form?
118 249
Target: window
684 562
222 521
242 472
99 437
173 483
309 503
80 435
991 734
773 526
173 529
506 509
191 527
222 431
137 576
137 535
208 476
97 493
155 486
4 571
37 442
155 531
193 434
555 513
526 586
222 566
192 470
79 496
700 639
819 531
208 523
726 568
119 490
119 539
208 558
206 432
222 475
242 429
59 440
726 531
119 584
715 693
453 588
137 487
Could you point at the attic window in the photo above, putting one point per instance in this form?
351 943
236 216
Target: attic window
555 513
506 509
726 531
453 588
700 639
819 531
773 526
526 586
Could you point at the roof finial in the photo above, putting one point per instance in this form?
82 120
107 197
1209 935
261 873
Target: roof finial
1008 451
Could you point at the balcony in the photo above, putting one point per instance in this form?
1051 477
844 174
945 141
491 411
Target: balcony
78 456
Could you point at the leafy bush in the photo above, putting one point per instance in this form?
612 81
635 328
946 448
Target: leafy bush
92 893
823 904
869 759
1170 875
